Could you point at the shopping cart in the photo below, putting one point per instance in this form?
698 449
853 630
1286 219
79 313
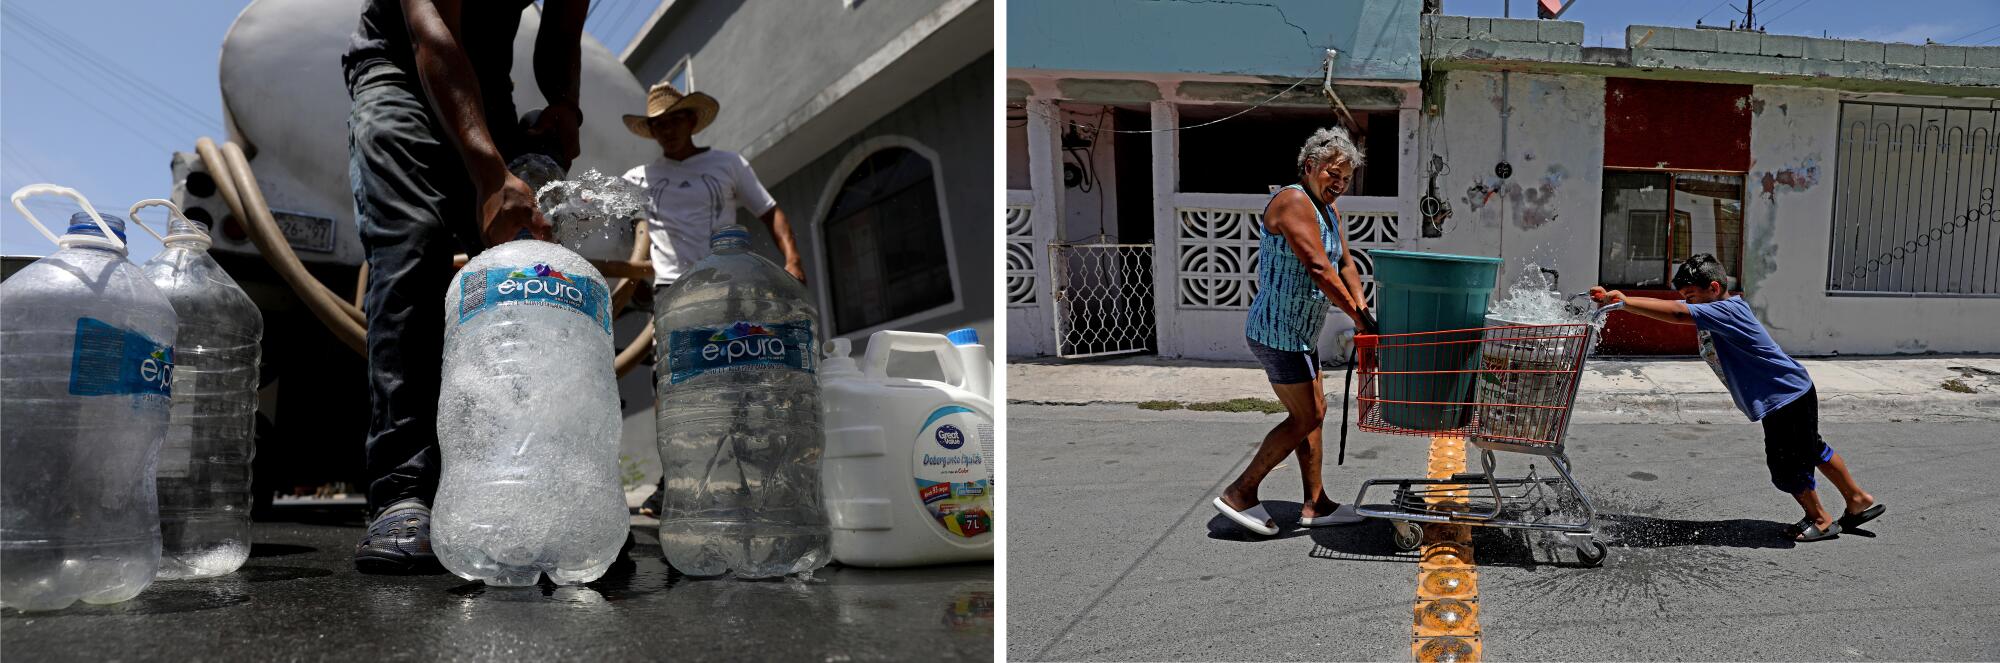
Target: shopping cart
1505 388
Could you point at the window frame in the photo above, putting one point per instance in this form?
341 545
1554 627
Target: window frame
1671 216
684 66
830 191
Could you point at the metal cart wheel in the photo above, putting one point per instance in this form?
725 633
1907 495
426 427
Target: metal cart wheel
1409 535
1592 555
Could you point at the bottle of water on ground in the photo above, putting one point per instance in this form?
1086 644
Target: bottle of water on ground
86 365
528 421
739 418
204 467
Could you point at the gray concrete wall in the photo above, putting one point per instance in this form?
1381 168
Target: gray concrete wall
1787 237
954 119
1548 211
763 59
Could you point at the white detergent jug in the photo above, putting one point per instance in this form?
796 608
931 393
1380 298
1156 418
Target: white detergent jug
909 462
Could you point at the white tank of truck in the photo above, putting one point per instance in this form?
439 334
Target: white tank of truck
284 100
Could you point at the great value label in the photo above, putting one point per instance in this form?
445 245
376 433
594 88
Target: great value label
954 470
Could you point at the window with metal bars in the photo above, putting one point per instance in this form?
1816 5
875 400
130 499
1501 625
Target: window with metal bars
1914 201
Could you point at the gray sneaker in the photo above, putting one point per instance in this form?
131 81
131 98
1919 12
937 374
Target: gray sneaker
399 542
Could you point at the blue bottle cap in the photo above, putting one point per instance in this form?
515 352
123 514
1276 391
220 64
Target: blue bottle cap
80 223
731 232
966 336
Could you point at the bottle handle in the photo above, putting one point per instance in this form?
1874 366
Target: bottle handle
110 239
883 343
172 211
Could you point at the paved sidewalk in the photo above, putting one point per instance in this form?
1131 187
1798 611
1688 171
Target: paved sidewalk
1614 390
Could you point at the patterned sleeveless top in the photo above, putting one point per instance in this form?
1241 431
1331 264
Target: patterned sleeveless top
1289 310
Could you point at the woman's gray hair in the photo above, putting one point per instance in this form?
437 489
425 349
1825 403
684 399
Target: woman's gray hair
1329 143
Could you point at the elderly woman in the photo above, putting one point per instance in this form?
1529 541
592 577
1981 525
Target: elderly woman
1302 269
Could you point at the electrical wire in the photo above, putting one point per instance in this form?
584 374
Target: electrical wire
1787 12
1974 33
34 26
123 123
1232 116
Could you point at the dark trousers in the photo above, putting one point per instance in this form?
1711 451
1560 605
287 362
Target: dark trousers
414 205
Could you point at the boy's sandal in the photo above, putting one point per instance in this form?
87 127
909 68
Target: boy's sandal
1852 520
1814 533
1793 530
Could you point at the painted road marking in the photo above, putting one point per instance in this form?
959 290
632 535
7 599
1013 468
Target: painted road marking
1446 626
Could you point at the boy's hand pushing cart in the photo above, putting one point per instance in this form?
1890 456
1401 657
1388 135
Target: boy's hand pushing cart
1505 388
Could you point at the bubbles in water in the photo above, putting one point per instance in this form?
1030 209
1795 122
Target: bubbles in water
1533 300
591 203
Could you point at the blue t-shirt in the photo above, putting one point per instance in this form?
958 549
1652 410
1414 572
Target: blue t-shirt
1759 375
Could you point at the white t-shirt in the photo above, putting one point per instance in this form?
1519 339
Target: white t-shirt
689 200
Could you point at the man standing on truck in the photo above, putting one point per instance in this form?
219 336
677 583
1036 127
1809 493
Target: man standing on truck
432 128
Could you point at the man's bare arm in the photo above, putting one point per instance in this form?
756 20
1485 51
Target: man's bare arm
558 65
506 204
781 232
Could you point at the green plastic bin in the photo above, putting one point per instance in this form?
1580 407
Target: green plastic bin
1428 292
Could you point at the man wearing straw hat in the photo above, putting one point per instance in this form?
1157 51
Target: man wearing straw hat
693 191
431 130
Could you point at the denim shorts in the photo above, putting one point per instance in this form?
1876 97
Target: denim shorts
1284 366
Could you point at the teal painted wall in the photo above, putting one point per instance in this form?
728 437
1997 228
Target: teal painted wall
1377 39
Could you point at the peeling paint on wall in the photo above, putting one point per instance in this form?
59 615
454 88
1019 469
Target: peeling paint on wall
1481 192
1538 204
1790 179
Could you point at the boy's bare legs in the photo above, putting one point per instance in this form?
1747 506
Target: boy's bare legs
1809 499
1305 408
1315 503
1835 470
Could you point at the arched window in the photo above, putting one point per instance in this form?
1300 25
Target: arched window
885 242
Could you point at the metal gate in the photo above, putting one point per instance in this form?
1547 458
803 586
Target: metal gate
1103 295
1913 201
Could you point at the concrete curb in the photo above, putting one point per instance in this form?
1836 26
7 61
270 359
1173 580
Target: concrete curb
1614 391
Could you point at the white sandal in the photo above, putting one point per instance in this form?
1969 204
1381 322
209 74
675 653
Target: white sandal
1255 518
1344 515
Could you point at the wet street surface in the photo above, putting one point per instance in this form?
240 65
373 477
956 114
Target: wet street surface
299 598
1113 543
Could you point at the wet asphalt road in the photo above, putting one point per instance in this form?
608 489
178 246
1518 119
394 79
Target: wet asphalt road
1115 554
300 599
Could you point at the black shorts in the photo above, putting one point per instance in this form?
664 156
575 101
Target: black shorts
1792 446
1285 366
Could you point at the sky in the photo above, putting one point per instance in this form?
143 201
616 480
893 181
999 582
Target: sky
1948 21
97 95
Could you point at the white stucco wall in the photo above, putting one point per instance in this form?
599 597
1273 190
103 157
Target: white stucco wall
1548 211
1787 237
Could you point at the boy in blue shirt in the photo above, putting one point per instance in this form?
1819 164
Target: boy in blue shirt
1768 386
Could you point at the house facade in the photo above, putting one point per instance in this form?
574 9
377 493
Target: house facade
868 122
1848 185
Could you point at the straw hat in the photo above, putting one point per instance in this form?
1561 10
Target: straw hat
663 99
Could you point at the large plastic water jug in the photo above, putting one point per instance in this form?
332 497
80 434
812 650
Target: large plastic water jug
739 417
86 372
909 462
528 421
204 467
